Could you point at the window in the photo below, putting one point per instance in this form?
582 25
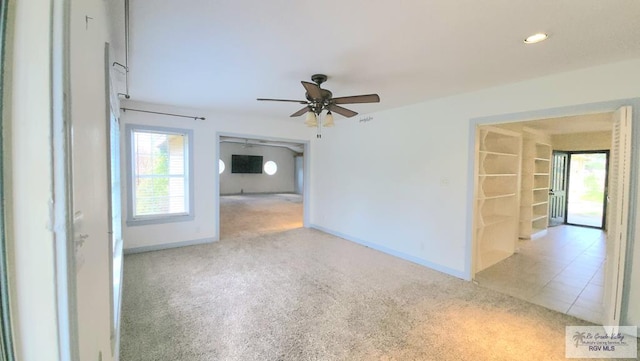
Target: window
270 167
160 181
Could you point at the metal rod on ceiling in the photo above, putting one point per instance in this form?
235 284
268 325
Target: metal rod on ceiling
162 113
126 43
126 52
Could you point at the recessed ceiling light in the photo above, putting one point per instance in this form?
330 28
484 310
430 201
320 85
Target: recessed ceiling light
536 38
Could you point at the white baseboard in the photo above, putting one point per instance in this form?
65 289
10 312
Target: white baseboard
455 273
159 247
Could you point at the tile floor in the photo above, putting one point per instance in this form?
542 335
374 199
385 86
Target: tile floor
563 271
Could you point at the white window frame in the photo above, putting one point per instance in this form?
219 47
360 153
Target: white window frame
159 218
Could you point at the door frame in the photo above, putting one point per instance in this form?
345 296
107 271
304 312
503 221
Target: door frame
65 243
306 186
573 110
606 188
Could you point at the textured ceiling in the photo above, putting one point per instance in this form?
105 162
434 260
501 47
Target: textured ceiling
597 122
222 55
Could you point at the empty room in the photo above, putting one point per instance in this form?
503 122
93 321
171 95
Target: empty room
344 180
261 191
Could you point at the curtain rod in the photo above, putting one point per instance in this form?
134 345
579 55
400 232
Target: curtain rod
161 113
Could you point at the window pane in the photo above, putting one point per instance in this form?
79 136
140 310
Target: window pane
159 173
176 154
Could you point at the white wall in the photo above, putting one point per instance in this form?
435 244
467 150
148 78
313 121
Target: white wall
28 184
281 182
203 227
402 183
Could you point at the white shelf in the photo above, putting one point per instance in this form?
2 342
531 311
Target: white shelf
495 219
498 175
497 189
499 153
530 218
537 217
496 196
534 199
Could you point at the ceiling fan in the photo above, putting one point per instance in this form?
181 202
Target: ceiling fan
319 99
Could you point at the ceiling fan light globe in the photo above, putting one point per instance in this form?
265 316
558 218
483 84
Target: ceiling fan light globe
328 120
311 119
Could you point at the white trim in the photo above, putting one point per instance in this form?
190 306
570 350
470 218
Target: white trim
68 344
159 247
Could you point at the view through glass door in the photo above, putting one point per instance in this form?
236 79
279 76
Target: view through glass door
587 188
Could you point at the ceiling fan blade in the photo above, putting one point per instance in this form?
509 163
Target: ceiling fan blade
312 89
342 111
300 112
283 100
368 98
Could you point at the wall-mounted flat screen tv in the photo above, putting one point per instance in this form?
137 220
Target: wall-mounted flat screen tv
246 163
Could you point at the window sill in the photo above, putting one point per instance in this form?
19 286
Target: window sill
133 222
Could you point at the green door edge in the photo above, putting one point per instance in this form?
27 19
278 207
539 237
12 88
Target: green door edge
6 339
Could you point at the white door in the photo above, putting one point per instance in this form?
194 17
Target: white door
617 215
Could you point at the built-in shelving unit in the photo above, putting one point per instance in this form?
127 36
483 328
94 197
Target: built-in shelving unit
496 195
534 189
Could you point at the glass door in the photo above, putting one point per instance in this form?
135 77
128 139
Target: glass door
558 189
587 188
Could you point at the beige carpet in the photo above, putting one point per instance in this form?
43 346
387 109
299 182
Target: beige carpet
250 215
305 295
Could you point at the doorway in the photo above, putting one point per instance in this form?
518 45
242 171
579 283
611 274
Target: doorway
262 186
524 274
587 188
578 189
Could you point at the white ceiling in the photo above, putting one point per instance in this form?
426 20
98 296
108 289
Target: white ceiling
586 123
222 55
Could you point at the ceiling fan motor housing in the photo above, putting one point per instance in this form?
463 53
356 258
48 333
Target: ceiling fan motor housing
319 78
318 104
